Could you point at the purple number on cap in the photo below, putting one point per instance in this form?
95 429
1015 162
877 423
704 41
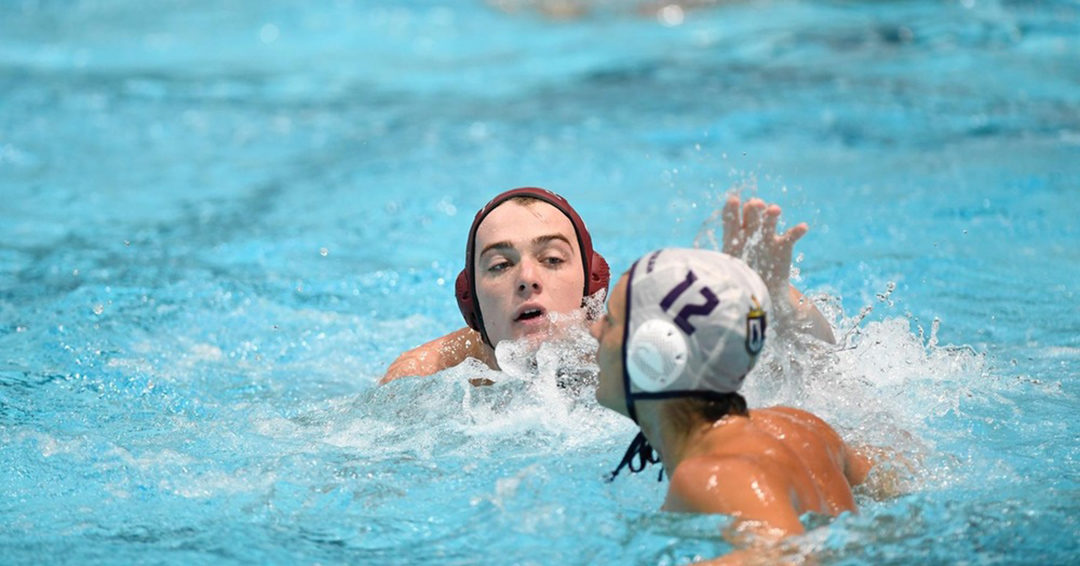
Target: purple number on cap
710 304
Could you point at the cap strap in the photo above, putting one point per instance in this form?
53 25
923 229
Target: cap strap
630 411
640 448
708 395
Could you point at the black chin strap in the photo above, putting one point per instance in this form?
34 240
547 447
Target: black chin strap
645 454
640 446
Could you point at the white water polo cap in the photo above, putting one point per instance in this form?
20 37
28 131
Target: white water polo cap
695 324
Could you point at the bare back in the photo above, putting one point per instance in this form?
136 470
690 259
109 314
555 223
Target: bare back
771 467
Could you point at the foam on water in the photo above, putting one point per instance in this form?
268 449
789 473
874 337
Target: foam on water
512 452
226 422
885 385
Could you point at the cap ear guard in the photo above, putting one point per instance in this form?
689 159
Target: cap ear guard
463 294
656 355
599 274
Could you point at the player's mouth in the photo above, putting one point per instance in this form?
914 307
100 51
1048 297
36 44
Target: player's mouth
530 314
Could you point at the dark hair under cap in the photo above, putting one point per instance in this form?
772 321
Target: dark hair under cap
597 272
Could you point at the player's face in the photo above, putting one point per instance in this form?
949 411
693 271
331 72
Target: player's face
528 265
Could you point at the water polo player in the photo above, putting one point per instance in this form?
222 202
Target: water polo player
528 257
683 329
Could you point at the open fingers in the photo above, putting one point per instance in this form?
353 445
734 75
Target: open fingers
789 238
752 212
768 225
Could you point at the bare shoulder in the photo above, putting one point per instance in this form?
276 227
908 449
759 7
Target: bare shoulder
797 415
805 420
854 463
437 355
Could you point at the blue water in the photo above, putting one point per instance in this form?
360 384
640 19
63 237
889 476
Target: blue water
221 221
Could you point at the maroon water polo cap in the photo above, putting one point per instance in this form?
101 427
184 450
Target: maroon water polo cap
597 272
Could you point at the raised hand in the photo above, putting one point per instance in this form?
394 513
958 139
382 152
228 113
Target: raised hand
750 234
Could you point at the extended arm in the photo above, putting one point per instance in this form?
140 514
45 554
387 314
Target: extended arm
752 236
439 354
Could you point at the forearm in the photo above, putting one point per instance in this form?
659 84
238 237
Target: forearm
801 315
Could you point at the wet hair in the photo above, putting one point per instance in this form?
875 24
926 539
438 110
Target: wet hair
524 200
688 411
683 413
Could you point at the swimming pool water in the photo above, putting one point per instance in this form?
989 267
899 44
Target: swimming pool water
221 221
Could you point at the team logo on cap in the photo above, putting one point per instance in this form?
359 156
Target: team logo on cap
755 328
